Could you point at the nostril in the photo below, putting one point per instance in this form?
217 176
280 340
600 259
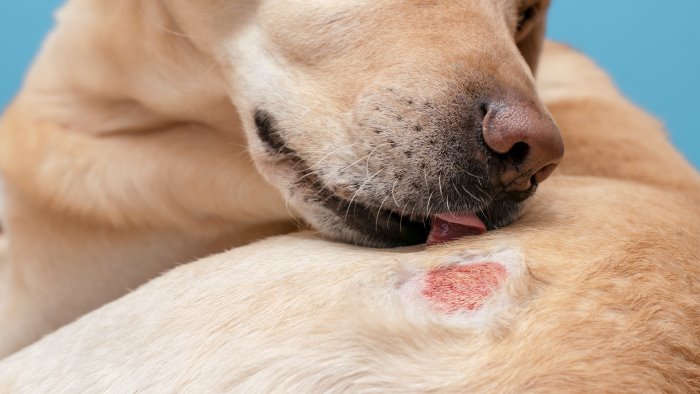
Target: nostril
543 173
517 154
533 181
484 107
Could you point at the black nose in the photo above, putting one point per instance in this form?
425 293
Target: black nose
525 139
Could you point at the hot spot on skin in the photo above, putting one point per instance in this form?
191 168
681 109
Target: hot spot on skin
462 287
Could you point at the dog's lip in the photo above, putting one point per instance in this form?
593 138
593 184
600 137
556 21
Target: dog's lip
405 221
433 229
376 226
383 227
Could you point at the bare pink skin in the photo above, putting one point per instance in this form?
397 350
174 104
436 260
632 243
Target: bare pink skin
463 288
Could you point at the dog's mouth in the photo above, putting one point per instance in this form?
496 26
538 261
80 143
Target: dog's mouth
375 227
369 224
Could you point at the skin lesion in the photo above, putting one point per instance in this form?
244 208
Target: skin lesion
462 287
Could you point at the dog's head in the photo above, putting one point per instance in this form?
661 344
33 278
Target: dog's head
374 116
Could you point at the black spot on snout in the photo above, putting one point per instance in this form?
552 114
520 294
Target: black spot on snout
269 134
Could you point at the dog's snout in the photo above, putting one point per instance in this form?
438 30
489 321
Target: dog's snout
526 141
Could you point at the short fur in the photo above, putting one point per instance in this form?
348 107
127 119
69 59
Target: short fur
607 300
145 131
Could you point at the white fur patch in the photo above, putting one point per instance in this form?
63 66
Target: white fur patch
411 283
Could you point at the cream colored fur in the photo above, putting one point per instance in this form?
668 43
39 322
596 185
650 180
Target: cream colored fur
130 148
607 297
120 162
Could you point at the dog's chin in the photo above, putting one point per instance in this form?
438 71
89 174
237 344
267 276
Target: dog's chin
370 226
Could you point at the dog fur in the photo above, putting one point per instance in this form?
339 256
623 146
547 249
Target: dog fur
133 145
605 299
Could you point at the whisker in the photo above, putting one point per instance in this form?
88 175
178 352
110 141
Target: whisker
472 196
376 220
359 189
459 194
470 174
394 195
309 174
481 190
403 213
428 204
330 153
351 164
297 222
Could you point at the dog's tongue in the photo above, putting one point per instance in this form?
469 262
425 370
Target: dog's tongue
446 227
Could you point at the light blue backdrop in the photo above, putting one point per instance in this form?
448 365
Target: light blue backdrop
651 47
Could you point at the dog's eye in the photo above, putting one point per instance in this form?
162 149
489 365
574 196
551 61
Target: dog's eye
526 15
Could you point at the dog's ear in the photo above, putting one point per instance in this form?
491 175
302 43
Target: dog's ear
531 43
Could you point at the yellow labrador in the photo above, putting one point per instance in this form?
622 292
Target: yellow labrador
594 289
147 132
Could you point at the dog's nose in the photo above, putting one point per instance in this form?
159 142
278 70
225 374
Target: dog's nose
526 140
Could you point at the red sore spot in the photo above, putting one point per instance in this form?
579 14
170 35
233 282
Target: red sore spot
462 287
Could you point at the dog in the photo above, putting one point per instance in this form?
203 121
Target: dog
593 289
149 134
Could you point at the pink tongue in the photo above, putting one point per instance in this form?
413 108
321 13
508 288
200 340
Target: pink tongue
447 227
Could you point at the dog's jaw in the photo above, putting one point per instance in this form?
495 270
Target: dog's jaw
372 226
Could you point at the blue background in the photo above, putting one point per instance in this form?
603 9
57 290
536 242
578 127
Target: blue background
651 47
